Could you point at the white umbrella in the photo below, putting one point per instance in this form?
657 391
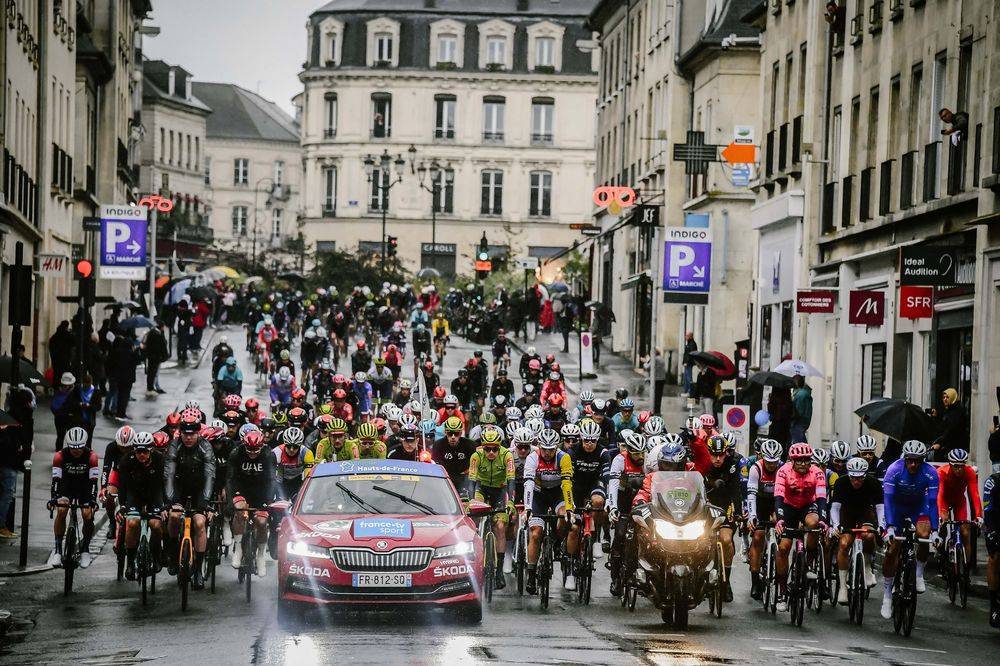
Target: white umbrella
793 367
178 290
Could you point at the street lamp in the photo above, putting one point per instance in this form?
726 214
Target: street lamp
434 169
384 165
256 191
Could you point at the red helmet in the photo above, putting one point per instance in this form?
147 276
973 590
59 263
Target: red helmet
556 399
380 424
160 439
471 363
361 344
428 365
644 416
252 403
298 394
555 367
232 401
535 364
800 451
339 394
549 358
253 440
391 349
708 421
190 421
439 392
297 416
339 379
174 419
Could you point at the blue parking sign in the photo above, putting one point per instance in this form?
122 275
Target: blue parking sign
123 242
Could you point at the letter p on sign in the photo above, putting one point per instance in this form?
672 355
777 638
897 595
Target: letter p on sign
117 233
680 257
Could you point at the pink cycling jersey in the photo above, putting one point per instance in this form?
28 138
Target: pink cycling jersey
799 490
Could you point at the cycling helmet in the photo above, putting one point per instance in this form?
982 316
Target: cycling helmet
76 438
621 392
654 426
534 412
284 374
534 364
428 427
672 453
590 430
499 400
958 456
717 445
252 403
857 467
284 355
570 431
413 407
528 389
440 393
387 409
695 423
192 404
800 451
549 439
488 418
124 436
339 379
142 441
405 385
626 403
586 396
491 436
360 377
280 419
840 450
450 401
160 439
453 424
514 414
361 344
336 426
231 418
707 421
555 400
253 440
173 419
866 443
297 416
292 437
367 431
673 438
322 421
218 423
600 404
267 425
245 428
523 437
634 442
340 394
554 376
536 426
298 394
232 401
770 450
914 448
190 421
820 457
730 438
406 420
511 428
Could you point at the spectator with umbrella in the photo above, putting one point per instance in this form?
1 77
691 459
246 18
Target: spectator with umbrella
953 425
67 407
61 349
781 409
802 409
123 360
154 349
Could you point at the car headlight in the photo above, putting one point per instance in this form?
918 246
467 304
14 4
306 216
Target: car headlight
304 549
455 549
667 530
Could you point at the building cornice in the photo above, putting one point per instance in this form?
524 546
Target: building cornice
330 75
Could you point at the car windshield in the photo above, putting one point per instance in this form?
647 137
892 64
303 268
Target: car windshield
379 493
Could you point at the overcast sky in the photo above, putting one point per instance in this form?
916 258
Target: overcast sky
258 44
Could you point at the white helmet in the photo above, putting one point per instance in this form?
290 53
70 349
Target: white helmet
76 438
866 443
857 467
143 439
654 426
513 414
535 426
840 450
293 436
549 439
590 430
534 412
124 436
523 436
770 450
914 448
284 374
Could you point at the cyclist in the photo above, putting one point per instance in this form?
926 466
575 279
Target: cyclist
958 487
554 385
393 360
116 451
334 446
74 477
442 335
421 341
404 394
799 500
991 531
625 479
254 414
323 381
361 359
723 489
548 489
431 379
382 381
760 506
293 462
491 480
531 354
840 453
501 350
625 418
140 482
450 409
454 452
282 385
229 379
609 436
362 390
189 473
370 446
910 489
529 397
866 451
407 448
503 386
591 469
555 413
340 407
251 485
855 501
461 388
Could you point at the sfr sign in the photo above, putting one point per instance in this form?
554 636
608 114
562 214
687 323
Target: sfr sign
916 302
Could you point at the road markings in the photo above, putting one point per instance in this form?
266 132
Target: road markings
798 640
905 647
805 650
923 663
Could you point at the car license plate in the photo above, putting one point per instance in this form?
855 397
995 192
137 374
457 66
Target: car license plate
383 580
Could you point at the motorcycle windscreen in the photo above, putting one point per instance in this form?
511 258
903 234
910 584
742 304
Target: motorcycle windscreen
679 494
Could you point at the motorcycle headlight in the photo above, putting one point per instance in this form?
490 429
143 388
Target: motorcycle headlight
455 549
667 530
304 549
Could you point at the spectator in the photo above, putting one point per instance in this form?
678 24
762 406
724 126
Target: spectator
199 320
565 321
532 308
184 330
13 452
228 301
954 427
706 390
66 407
95 361
61 349
690 346
802 409
123 360
836 16
154 349
994 446
780 407
959 121
90 402
659 370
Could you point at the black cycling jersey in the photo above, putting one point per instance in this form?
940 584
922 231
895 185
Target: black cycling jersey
723 486
140 486
856 505
252 477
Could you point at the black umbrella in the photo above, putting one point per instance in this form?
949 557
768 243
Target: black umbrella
898 419
138 321
291 276
6 419
775 379
28 373
201 293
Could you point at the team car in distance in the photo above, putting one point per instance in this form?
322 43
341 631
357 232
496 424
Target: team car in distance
380 532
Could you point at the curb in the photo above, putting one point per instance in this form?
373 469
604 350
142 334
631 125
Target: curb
977 589
28 571
42 568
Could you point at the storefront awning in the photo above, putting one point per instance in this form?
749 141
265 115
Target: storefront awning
989 218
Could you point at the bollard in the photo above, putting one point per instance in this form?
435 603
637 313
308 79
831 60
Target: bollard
25 508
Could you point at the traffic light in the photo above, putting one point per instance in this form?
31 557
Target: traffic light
483 263
393 246
83 272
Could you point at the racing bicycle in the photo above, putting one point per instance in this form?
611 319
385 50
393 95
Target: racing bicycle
805 577
904 583
547 555
584 561
954 566
71 545
248 561
216 550
857 588
145 568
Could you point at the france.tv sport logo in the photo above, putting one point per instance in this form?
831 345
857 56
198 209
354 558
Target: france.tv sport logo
370 528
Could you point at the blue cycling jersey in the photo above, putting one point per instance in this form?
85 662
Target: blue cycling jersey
910 495
991 502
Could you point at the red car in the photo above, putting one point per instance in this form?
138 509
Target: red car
380 532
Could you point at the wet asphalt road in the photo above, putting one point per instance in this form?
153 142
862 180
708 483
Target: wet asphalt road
103 622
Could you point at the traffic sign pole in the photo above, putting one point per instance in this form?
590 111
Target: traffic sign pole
152 262
654 267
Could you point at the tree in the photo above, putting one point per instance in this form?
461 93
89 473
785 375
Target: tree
347 270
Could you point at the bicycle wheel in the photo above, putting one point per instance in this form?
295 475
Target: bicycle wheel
962 573
489 565
715 602
910 607
184 574
545 570
819 583
832 579
951 577
69 556
249 558
771 591
142 566
213 554
796 594
521 563
858 587
586 568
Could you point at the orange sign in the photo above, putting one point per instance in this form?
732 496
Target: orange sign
739 153
162 204
484 265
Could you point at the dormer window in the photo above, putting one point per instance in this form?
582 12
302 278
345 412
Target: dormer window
187 88
446 48
331 41
545 51
383 48
545 43
496 38
496 51
447 44
171 82
383 43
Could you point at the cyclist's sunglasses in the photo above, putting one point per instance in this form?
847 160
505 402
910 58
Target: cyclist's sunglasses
491 449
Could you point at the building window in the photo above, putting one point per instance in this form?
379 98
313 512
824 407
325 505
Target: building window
381 115
545 48
493 113
276 216
241 171
447 48
492 203
330 190
163 145
444 124
331 54
331 42
208 170
330 116
383 48
496 52
279 173
379 199
239 221
542 111
540 204
445 200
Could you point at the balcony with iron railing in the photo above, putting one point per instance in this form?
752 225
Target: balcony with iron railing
829 202
541 139
847 202
907 179
769 155
956 166
932 152
493 137
62 170
796 161
19 189
865 200
191 227
783 147
885 187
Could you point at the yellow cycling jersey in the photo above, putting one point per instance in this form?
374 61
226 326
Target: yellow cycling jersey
440 327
